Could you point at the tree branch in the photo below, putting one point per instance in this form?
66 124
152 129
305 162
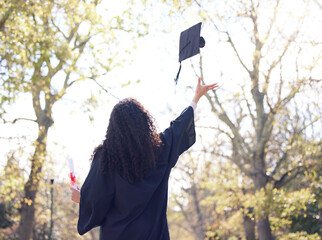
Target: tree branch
236 52
242 167
293 173
104 89
183 227
278 60
239 139
279 163
273 20
18 119
216 128
5 17
249 109
288 98
66 85
288 176
81 44
241 144
58 29
186 216
317 3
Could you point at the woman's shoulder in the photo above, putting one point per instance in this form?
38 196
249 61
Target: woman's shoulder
98 157
97 152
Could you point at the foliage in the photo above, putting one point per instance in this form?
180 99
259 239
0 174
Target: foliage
300 236
46 48
307 221
65 214
11 186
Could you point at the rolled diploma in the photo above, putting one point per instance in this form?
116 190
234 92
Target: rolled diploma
72 174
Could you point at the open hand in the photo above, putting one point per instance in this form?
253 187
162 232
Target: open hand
202 90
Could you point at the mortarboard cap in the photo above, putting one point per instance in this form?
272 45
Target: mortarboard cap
190 44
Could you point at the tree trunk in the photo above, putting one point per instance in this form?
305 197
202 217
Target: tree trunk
264 228
31 186
249 226
320 217
263 224
199 232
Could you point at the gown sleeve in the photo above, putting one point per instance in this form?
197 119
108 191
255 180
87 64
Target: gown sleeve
97 194
180 136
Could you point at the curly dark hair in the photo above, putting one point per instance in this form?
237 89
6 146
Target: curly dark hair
131 144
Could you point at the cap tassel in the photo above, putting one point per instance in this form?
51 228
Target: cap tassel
177 77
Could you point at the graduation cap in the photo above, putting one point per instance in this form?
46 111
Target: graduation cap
190 44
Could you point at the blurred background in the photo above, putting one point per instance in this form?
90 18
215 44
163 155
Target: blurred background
255 170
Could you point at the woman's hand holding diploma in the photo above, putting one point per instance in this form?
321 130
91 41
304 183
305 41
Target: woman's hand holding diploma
75 195
75 190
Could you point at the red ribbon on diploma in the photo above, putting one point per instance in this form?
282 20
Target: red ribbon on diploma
72 174
72 179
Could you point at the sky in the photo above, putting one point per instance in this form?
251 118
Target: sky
155 64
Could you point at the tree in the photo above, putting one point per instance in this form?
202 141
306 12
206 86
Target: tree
189 173
264 106
208 192
11 188
46 48
210 202
268 117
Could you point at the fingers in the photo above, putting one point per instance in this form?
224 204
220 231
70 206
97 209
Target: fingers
72 189
207 86
212 86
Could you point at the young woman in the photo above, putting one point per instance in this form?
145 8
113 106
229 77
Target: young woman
126 190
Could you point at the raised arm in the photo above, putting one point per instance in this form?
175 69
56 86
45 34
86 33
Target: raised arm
202 90
181 133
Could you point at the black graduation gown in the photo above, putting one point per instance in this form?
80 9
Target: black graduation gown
135 211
